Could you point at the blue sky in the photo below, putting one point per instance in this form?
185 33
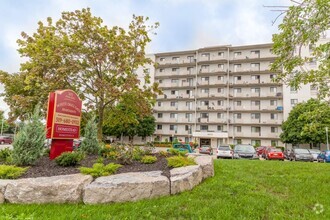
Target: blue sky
184 24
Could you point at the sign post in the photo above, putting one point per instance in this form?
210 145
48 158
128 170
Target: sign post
63 121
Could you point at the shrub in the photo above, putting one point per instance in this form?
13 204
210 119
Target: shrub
164 153
148 159
138 153
67 159
6 156
100 160
28 144
108 151
176 152
100 169
11 172
125 156
179 161
90 144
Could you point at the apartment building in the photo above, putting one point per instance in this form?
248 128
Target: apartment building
216 95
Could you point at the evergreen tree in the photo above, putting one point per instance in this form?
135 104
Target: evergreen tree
29 142
90 144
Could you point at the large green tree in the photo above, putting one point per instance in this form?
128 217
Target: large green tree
81 53
306 123
304 24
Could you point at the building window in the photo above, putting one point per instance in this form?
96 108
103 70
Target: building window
238 103
160 115
160 81
159 127
293 89
255 65
204 127
175 69
205 91
190 58
220 78
190 69
173 115
273 116
220 127
238 141
162 59
220 90
255 90
220 115
173 104
255 142
273 102
221 54
237 66
205 68
255 103
205 103
237 54
175 58
173 127
221 66
255 129
236 78
294 102
274 143
205 54
255 52
220 102
273 89
161 70
205 79
204 115
237 90
159 104
274 129
272 76
255 77
255 115
238 115
238 128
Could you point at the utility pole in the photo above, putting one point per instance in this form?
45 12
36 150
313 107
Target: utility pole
326 132
1 126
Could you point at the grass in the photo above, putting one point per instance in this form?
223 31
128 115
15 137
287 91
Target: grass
240 190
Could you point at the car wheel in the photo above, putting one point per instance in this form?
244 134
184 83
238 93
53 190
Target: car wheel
2 142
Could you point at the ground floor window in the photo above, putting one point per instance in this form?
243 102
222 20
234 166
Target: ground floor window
274 143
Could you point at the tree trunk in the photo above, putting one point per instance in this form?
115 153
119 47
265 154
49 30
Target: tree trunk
100 123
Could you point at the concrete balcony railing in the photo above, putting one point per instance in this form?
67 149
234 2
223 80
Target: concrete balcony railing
203 120
202 83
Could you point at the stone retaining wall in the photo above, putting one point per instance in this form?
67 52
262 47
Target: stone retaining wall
116 188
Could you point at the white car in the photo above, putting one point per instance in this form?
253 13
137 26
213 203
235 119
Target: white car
224 151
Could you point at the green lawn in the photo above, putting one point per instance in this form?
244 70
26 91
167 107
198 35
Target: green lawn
239 190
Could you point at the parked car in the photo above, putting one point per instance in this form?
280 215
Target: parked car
274 154
315 153
5 140
224 151
260 150
286 153
301 155
206 149
324 156
245 151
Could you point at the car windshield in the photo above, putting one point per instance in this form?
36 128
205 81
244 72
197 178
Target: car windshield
314 151
205 147
244 148
275 150
301 151
224 148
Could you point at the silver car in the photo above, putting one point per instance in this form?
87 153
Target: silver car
224 152
314 153
245 151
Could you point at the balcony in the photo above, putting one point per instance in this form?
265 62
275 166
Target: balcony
203 83
203 120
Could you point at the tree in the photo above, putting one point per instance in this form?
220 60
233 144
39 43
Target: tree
90 144
306 123
304 24
81 53
29 143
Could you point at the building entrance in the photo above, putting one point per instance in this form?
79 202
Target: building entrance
205 141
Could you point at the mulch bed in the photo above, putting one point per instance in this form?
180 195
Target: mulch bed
45 167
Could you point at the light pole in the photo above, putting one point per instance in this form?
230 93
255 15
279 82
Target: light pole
326 132
1 126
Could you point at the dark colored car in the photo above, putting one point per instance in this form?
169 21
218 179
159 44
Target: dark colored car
274 154
315 153
5 140
245 151
206 149
299 154
324 156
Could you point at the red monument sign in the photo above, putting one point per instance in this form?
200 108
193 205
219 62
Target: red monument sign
63 120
